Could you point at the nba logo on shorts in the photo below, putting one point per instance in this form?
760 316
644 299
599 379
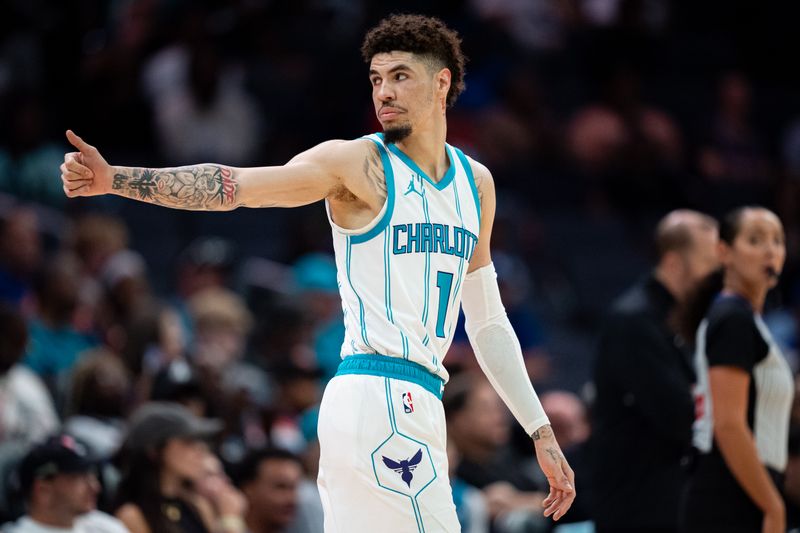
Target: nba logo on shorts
408 404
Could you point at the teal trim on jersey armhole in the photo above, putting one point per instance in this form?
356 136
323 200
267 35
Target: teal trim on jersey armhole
361 318
441 184
392 367
471 176
387 215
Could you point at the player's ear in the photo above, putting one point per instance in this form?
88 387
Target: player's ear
443 79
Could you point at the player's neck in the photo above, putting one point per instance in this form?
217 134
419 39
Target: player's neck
425 146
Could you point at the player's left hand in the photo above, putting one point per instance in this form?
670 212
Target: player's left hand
558 472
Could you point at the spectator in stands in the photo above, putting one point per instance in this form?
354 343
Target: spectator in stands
177 382
473 515
568 417
99 392
94 239
20 254
153 339
206 263
209 115
27 413
733 158
60 490
479 426
631 147
127 294
270 480
315 275
165 468
239 388
29 153
299 390
55 344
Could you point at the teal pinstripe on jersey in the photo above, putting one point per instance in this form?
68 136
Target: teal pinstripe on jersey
400 277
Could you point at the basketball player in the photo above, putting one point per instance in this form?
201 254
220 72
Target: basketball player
411 218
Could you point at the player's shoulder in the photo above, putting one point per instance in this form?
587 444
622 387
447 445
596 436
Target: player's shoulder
482 175
346 146
341 152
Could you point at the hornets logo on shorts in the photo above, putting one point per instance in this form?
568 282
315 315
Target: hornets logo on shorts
405 467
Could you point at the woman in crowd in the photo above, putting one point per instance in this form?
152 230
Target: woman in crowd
170 481
744 386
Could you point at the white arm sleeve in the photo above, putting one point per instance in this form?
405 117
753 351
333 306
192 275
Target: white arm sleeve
497 348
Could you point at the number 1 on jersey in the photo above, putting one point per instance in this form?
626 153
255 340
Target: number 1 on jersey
444 282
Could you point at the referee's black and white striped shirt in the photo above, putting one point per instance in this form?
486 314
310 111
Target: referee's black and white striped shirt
732 334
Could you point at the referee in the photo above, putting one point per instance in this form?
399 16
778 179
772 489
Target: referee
643 411
744 385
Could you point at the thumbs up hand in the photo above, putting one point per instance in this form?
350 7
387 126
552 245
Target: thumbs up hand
85 172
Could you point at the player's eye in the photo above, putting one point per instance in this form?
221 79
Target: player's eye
401 76
375 81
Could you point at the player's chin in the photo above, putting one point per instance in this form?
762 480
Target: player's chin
393 133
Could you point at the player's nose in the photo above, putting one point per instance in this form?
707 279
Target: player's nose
385 92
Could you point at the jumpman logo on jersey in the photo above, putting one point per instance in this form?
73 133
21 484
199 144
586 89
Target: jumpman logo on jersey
405 467
411 188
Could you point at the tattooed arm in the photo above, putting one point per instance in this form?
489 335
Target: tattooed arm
199 187
341 170
486 196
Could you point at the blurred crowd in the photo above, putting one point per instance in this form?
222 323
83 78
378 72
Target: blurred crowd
595 117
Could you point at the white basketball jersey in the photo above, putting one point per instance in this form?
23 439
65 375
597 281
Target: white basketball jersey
400 277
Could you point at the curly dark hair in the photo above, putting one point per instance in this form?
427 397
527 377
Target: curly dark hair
424 36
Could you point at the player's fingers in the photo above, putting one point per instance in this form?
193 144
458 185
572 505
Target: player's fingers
72 193
68 175
564 505
78 143
553 506
73 179
76 184
75 156
566 494
550 498
71 164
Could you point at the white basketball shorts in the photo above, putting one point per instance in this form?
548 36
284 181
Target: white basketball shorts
383 461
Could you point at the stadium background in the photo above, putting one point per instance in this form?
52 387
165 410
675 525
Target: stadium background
595 117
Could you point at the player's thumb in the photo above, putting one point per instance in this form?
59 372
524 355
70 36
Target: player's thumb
77 142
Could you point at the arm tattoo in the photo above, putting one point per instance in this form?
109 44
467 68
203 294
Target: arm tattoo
554 455
544 432
198 187
375 173
478 177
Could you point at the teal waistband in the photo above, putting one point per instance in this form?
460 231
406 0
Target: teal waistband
392 367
